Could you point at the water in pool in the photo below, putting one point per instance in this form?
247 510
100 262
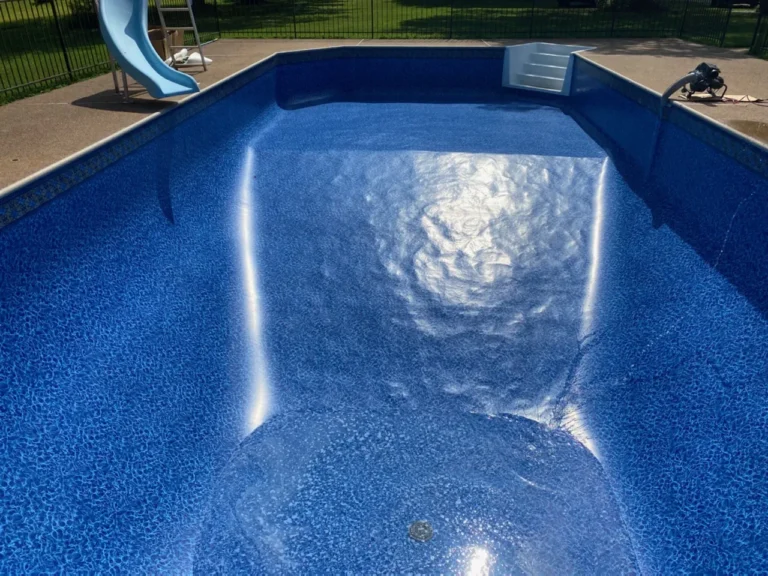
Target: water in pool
276 354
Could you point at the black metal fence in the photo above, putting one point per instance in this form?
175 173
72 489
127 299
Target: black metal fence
48 43
481 19
760 38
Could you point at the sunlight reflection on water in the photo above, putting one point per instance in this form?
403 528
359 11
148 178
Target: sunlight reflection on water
496 247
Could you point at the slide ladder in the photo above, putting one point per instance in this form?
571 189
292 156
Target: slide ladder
171 48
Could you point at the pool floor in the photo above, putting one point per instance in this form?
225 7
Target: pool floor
420 309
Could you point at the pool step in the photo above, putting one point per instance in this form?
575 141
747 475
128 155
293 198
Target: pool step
536 81
559 49
545 70
539 66
550 59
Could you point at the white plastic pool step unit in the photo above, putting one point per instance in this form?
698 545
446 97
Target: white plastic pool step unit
540 66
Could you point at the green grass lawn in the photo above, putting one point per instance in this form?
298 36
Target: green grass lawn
741 28
31 51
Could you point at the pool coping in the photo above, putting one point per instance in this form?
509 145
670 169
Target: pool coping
26 195
743 149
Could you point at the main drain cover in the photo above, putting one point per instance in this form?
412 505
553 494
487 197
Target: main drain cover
421 531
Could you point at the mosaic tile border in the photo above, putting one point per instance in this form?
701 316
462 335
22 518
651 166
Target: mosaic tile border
28 196
734 145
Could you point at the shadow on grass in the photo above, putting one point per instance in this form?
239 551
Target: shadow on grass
513 23
489 20
479 4
274 15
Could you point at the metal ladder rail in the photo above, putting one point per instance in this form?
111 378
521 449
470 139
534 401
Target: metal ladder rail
193 29
113 66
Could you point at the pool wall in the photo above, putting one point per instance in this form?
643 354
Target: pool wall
675 390
717 207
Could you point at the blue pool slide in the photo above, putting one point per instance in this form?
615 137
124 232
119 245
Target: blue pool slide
124 28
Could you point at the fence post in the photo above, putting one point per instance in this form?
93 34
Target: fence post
450 29
61 40
293 7
682 22
727 21
530 27
216 13
752 48
613 17
371 18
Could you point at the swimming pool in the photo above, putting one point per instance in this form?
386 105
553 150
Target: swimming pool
358 288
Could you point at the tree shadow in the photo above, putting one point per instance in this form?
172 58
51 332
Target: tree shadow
479 4
276 16
491 20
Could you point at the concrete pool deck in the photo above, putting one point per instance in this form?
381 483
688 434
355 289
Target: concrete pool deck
38 131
